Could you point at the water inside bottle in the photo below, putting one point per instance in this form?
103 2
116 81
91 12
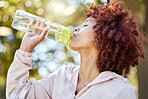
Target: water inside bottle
57 32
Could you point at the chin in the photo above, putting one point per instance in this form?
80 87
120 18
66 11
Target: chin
73 46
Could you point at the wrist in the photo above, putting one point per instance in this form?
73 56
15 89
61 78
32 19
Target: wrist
25 49
24 53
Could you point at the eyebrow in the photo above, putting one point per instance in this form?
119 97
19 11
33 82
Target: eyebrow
87 20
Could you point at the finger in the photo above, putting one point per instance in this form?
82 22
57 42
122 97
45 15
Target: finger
30 24
41 27
44 32
36 26
48 27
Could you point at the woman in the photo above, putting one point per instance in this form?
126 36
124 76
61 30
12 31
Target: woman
108 42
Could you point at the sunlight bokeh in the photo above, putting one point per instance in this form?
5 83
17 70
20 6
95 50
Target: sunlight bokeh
50 55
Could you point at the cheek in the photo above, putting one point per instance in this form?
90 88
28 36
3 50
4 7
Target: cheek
86 37
84 40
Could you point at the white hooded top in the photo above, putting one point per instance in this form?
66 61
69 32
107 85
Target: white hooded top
61 84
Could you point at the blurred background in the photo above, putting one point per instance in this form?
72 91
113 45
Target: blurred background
49 55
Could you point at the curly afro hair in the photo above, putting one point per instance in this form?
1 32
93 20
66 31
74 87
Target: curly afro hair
116 37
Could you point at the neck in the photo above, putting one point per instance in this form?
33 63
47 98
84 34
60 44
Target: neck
88 67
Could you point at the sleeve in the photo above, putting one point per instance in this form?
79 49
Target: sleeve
19 87
128 92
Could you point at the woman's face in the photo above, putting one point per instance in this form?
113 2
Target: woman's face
83 35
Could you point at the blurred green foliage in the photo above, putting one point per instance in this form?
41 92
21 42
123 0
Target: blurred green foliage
46 9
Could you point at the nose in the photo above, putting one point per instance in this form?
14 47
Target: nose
76 29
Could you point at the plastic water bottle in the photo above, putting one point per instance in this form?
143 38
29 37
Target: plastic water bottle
57 31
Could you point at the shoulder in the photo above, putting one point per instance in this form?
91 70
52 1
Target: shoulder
66 70
119 86
124 84
124 89
128 91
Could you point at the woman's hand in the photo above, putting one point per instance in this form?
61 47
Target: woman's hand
30 40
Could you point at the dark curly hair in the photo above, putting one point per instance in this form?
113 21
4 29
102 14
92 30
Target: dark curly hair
117 37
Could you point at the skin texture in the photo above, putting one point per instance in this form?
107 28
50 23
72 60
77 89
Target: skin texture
89 54
112 41
109 41
117 36
82 43
30 40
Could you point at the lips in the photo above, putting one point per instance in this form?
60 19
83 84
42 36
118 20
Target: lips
73 36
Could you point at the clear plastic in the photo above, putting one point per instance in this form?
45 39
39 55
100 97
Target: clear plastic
57 31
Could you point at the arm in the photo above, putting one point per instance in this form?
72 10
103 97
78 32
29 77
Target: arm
18 85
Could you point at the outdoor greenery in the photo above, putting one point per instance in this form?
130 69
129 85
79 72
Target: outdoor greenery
49 55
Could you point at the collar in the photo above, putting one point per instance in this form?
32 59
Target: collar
72 76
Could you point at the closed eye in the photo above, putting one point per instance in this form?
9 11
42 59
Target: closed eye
85 25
